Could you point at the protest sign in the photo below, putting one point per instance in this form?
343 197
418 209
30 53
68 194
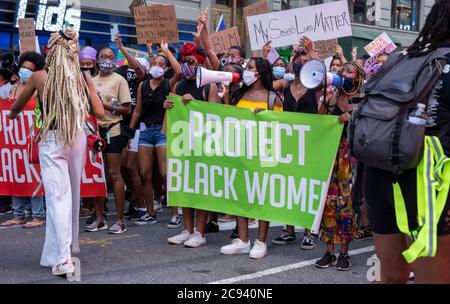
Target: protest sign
20 178
136 3
318 22
223 40
155 23
27 35
273 166
254 9
379 44
326 48
122 60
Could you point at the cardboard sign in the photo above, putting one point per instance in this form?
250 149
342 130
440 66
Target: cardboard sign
155 23
136 3
326 48
223 40
27 35
379 44
257 8
318 22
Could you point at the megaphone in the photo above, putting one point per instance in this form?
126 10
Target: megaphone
314 73
205 76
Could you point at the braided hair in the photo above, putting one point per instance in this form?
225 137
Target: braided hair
360 79
435 31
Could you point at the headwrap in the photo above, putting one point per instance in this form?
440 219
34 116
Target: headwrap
190 49
88 53
144 64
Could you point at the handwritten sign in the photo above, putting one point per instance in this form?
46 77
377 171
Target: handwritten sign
318 22
326 48
136 3
257 8
379 44
223 40
27 35
155 23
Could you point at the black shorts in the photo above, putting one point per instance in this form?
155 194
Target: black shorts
378 193
116 144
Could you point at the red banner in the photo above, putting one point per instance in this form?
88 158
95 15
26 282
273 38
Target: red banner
20 178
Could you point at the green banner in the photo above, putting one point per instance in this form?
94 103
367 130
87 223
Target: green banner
272 166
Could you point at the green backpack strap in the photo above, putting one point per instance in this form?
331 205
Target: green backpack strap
433 183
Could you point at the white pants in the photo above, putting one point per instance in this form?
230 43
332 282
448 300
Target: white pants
61 169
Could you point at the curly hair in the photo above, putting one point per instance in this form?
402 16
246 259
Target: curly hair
37 59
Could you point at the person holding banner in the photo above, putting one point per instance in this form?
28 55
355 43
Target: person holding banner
192 58
338 221
258 94
62 149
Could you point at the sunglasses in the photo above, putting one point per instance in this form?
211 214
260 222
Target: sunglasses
189 60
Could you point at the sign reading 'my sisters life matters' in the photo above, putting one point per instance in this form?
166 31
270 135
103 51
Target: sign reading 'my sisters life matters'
223 40
318 22
20 178
257 8
274 166
155 23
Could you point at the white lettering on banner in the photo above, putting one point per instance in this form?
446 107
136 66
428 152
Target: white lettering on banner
215 193
66 11
294 195
10 158
19 137
96 178
255 188
318 22
213 122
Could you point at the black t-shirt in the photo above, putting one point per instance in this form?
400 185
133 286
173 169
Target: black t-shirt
438 110
306 104
186 86
152 102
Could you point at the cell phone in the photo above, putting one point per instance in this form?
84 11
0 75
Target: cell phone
114 30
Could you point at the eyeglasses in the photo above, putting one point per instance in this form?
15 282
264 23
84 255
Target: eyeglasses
190 61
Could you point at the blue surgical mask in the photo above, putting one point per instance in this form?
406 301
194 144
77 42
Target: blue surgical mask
278 72
25 75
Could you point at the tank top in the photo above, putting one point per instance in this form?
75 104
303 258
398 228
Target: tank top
306 104
186 86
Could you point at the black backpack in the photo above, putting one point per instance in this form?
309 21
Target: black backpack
380 135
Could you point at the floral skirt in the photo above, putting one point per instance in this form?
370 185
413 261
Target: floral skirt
338 220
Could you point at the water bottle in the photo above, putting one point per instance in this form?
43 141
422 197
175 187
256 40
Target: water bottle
418 117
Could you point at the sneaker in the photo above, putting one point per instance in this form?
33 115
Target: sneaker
179 238
131 210
196 240
146 219
343 262
284 239
157 206
329 259
93 218
96 226
234 234
236 247
118 228
308 242
175 222
259 250
64 268
137 214
212 227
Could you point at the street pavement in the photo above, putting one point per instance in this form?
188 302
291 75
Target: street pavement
142 255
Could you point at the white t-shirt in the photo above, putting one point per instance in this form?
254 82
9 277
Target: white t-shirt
4 90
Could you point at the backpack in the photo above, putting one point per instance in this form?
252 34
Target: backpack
380 134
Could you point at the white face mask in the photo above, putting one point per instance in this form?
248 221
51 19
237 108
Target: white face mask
249 78
157 72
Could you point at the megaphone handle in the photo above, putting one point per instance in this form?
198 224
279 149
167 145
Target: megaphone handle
325 95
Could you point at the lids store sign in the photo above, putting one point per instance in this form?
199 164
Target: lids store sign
53 17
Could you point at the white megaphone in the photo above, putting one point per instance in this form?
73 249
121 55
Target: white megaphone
205 76
314 74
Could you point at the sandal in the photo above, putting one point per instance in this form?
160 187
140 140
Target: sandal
364 233
34 223
13 222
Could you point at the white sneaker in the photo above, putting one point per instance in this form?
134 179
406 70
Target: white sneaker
196 240
157 206
179 238
259 250
64 268
180 211
236 247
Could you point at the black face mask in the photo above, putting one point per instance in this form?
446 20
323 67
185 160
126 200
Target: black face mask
348 84
297 67
13 81
92 70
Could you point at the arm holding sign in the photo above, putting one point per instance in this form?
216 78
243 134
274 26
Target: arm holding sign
173 63
134 64
214 61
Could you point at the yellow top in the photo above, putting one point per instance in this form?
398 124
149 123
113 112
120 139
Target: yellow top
248 104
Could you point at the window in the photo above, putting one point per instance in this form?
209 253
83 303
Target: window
362 11
405 15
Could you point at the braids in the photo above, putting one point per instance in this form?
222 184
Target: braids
360 79
65 101
435 31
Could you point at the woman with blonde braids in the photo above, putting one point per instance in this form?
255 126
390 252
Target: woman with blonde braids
63 97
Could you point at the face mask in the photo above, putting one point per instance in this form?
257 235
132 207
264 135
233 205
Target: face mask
188 71
12 82
278 72
106 66
91 70
297 67
249 78
289 76
348 84
157 72
25 75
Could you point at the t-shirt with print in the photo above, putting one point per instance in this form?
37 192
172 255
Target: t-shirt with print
111 87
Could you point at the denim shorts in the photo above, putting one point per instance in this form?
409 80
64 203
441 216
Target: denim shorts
152 137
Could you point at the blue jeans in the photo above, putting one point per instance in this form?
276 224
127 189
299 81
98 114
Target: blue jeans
36 204
152 137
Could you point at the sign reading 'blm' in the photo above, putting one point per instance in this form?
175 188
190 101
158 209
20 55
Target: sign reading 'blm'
223 40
